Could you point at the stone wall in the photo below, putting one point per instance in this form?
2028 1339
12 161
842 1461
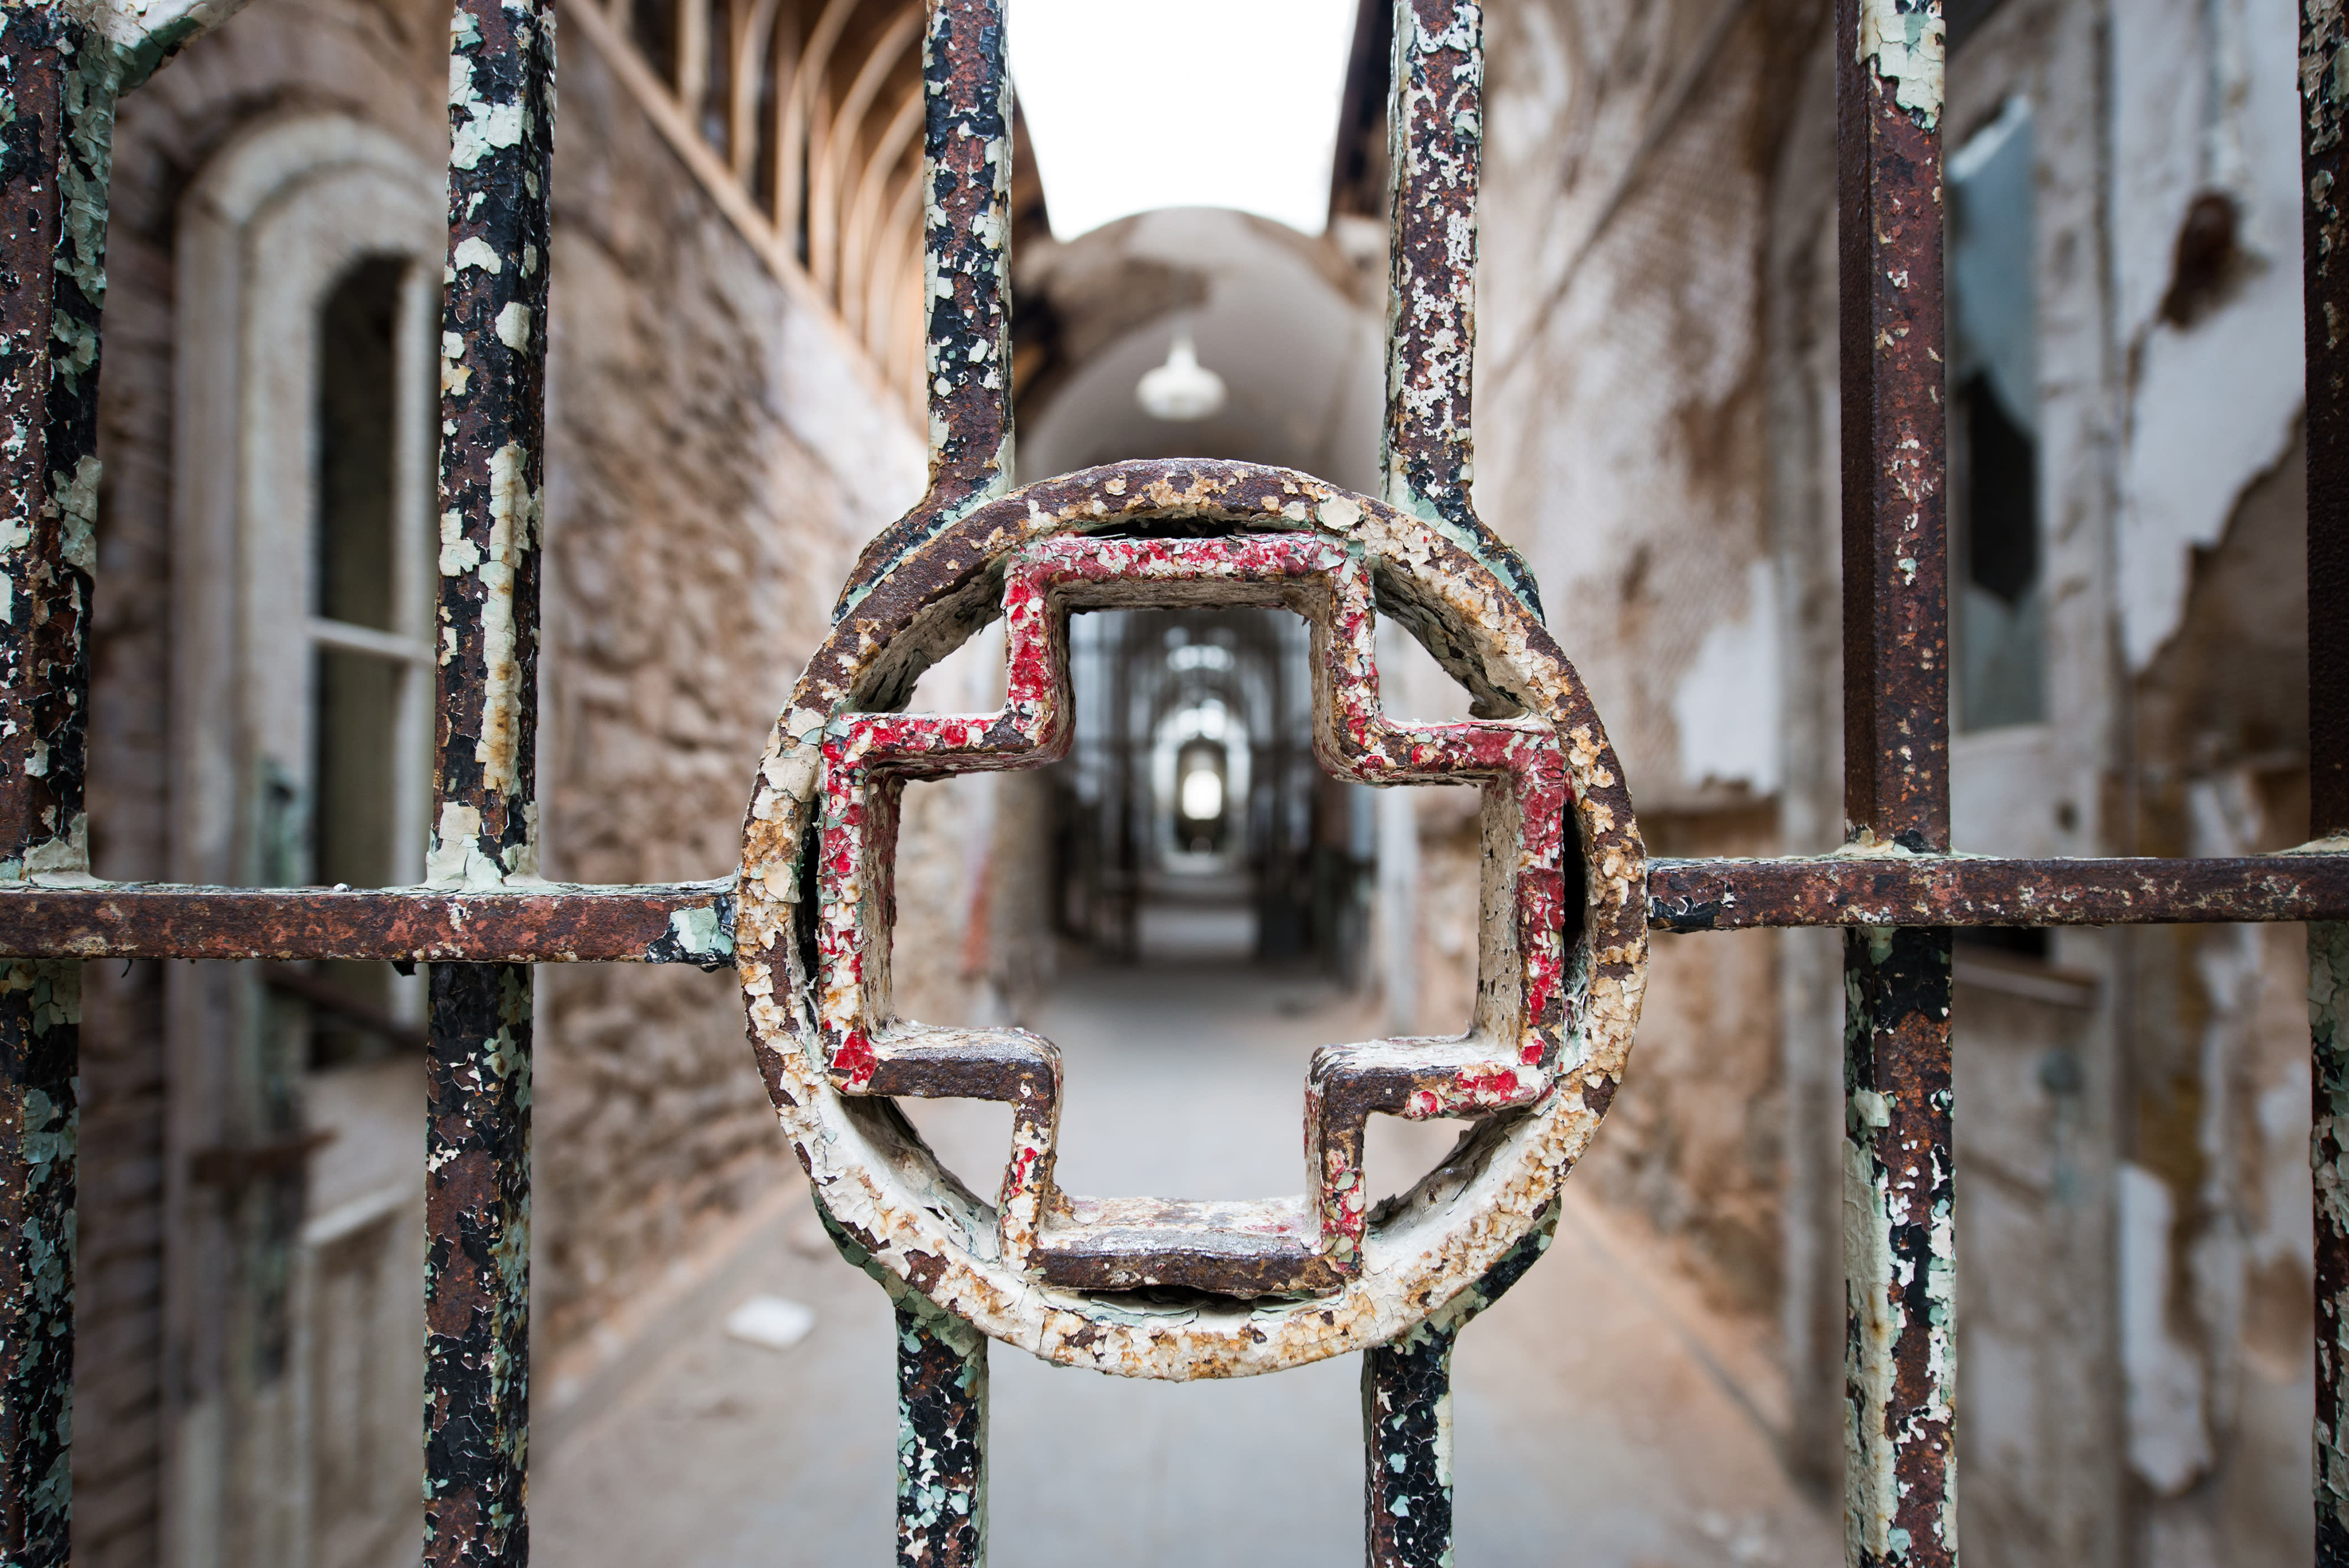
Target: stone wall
717 452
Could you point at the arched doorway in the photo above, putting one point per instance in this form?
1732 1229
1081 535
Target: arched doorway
1191 822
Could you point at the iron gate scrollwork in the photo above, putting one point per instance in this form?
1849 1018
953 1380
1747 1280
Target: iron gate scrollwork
1269 1284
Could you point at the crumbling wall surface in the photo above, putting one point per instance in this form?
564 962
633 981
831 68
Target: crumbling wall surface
2214 1213
2211 1211
1628 167
1699 1150
2206 231
1629 159
717 454
384 63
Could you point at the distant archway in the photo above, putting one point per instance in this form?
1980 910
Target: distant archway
1279 869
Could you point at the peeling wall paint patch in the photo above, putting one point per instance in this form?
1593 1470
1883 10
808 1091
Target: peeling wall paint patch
1727 704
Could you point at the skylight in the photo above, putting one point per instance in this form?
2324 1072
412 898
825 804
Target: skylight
1133 105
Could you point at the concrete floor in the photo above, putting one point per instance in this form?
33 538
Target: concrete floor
1604 1418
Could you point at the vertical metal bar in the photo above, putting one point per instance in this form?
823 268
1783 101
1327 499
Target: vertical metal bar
2328 1002
941 1438
2325 244
1435 139
1407 1420
57 95
1900 1266
2324 241
966 277
1407 1451
492 456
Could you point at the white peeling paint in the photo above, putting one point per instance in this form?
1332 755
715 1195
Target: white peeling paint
513 519
487 127
455 840
1906 48
77 501
2213 405
2168 1446
513 325
474 252
1727 706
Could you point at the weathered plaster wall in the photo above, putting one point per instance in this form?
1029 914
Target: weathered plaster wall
1619 385
1629 162
2215 1199
2131 1157
1658 391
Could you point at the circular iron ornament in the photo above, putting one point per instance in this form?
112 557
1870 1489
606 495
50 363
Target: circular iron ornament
1147 1287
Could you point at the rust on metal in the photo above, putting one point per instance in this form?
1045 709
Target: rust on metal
1948 890
55 135
1506 1062
485 823
941 1420
967 278
1407 1502
477 1266
1895 672
690 922
1559 1003
1435 135
693 923
2328 1013
1899 1249
1899 1262
1229 1288
941 1439
2325 250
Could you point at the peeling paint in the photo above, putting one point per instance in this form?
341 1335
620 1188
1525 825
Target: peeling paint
485 832
966 280
1903 40
2328 1146
1414 1255
59 73
1899 1251
1435 152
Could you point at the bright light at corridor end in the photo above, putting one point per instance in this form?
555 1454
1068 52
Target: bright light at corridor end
1133 105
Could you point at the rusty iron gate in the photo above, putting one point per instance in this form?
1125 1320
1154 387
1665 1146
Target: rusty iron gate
1142 1286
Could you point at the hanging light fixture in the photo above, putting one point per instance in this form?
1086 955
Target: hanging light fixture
1181 390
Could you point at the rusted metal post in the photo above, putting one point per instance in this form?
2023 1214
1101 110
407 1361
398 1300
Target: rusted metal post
1435 140
941 1438
966 279
2325 244
1407 1450
492 455
54 148
2328 998
1407 1422
1900 1266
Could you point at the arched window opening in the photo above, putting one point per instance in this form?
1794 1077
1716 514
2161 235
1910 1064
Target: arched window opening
370 669
1997 614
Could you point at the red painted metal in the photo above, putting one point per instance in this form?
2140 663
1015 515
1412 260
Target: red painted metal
1233 1249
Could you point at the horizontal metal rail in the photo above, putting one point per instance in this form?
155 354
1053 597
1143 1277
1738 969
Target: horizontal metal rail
692 923
1963 890
689 922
